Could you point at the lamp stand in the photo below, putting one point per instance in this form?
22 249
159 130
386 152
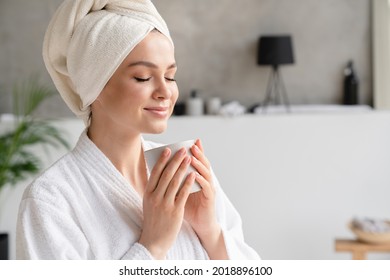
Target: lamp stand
276 90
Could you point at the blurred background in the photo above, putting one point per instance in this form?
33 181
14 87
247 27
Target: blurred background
216 47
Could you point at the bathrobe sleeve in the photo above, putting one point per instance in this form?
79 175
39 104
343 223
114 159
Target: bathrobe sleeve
60 225
44 232
231 224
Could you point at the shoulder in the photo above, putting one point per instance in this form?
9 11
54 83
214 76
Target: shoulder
54 182
60 178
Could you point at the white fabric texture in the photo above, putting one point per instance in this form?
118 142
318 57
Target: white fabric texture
83 208
87 40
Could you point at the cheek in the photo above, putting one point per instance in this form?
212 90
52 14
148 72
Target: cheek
175 93
131 94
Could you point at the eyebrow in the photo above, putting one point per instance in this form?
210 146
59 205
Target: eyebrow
149 64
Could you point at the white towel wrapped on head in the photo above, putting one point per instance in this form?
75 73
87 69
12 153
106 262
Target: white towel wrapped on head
87 40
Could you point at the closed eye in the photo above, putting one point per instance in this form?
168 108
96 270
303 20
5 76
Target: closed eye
170 79
141 80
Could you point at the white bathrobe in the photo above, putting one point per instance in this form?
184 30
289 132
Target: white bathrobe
83 208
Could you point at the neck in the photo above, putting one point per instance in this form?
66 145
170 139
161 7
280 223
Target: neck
125 151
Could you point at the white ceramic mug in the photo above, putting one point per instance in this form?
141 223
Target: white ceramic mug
154 154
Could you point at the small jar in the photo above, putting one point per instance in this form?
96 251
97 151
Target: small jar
194 104
213 105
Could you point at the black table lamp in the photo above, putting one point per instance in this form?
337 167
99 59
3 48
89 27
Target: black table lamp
275 51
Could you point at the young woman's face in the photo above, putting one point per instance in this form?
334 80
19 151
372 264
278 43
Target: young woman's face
141 94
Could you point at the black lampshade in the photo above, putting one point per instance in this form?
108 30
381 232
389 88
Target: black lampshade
275 50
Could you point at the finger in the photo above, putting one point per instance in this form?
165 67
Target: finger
158 168
198 143
169 171
198 153
201 168
177 179
207 188
185 191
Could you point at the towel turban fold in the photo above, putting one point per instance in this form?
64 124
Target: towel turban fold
87 40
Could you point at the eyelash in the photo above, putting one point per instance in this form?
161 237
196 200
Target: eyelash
141 80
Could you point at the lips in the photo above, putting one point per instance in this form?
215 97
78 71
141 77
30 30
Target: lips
158 111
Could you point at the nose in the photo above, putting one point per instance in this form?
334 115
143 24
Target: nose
162 91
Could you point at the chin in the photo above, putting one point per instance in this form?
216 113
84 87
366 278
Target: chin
157 129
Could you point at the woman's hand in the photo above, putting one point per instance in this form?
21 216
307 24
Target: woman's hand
164 202
200 207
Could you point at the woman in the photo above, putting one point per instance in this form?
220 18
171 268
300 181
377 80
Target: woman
113 63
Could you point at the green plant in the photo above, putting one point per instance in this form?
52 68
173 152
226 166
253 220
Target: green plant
17 159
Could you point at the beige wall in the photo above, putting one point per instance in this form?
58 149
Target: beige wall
216 46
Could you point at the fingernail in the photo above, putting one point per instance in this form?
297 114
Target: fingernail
182 151
166 152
